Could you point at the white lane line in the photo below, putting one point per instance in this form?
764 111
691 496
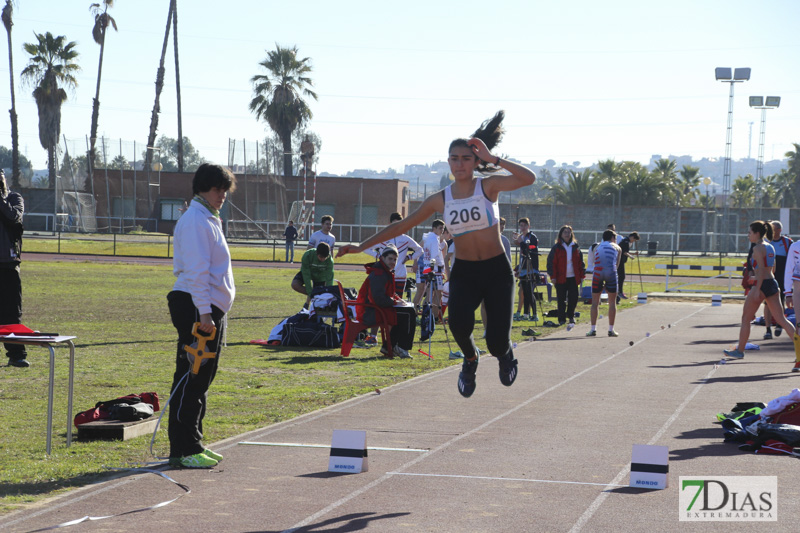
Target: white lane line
298 445
505 479
308 520
587 515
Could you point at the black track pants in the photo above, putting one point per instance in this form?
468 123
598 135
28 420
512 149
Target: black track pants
188 405
472 282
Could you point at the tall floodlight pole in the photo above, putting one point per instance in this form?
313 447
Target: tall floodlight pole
758 102
730 76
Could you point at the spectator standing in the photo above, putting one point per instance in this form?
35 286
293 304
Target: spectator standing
781 244
613 227
528 267
625 254
431 258
792 283
290 233
379 289
323 235
316 270
566 268
204 293
12 208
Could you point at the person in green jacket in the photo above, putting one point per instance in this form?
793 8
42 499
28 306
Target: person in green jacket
316 270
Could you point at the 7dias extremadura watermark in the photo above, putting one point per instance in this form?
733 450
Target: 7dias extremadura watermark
728 499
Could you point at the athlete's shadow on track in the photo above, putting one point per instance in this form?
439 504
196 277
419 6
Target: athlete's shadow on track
341 524
736 325
747 379
716 449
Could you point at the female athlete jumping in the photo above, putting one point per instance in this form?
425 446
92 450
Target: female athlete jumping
481 270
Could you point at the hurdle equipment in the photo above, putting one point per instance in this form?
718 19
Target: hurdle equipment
348 452
716 300
715 268
649 467
196 352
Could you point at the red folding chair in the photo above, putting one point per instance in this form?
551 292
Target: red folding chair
353 327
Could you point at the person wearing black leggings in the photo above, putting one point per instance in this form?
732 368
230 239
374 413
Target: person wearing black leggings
481 270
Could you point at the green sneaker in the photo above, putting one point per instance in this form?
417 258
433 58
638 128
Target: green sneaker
592 333
212 454
613 333
198 460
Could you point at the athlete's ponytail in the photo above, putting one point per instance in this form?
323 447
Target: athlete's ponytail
762 228
491 133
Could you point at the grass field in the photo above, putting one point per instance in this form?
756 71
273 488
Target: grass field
126 344
160 245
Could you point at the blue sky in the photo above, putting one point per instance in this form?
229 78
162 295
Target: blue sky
579 80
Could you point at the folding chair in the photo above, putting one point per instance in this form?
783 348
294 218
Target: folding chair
353 327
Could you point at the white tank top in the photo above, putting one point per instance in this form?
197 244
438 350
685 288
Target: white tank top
469 214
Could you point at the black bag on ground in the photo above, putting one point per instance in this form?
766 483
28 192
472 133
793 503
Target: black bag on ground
310 333
130 412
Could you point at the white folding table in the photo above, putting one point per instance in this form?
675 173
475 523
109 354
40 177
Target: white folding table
48 342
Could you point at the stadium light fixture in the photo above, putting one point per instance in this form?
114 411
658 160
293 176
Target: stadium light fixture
731 76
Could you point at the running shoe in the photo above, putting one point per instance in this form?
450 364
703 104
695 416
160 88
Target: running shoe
384 350
530 332
466 379
592 333
733 354
401 353
508 370
767 335
613 333
525 318
198 460
534 318
570 326
371 340
456 355
212 455
778 331
517 317
796 367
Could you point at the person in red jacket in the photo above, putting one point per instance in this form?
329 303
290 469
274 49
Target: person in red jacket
379 289
566 268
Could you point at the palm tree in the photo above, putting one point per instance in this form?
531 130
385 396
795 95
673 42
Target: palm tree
8 11
794 167
686 185
581 188
102 20
52 62
610 175
744 191
177 82
642 187
151 137
278 96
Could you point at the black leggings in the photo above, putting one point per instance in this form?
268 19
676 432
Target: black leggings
188 406
490 281
403 333
529 304
567 299
620 278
